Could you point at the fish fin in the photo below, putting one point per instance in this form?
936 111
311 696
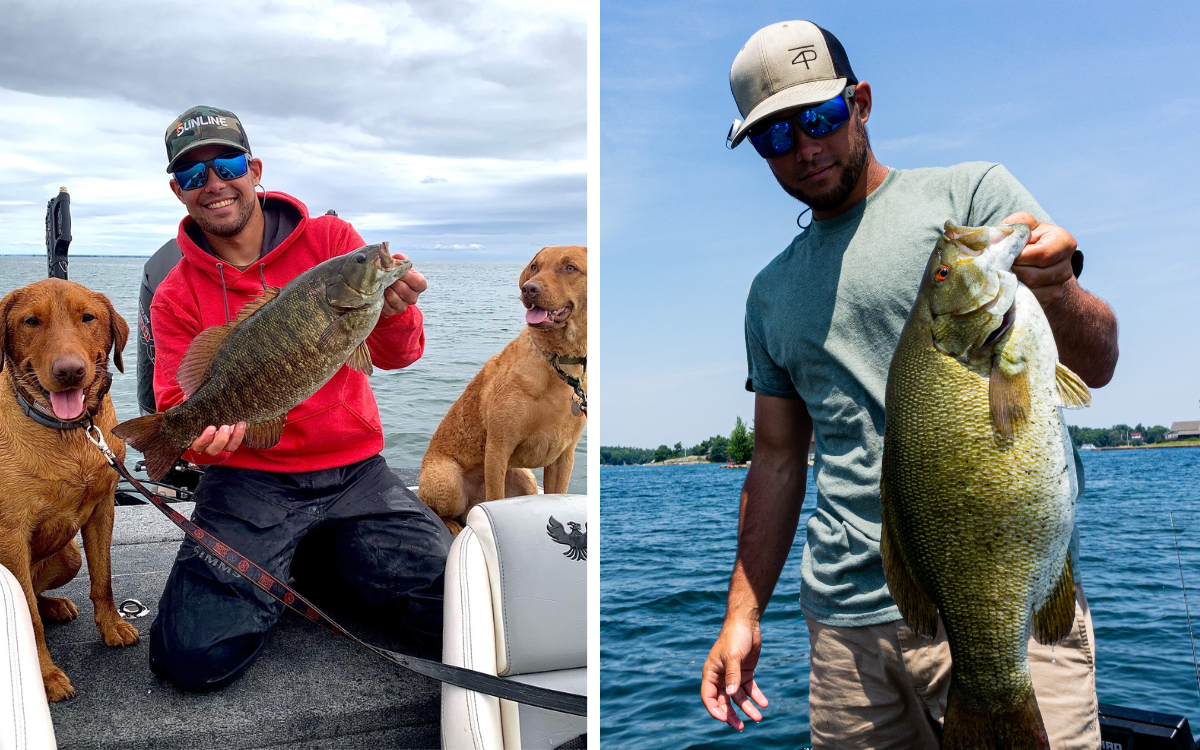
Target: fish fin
255 305
1008 396
145 434
1072 391
361 359
917 609
263 435
1053 618
199 356
334 336
970 727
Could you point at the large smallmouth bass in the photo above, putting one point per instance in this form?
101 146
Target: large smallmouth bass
279 350
979 483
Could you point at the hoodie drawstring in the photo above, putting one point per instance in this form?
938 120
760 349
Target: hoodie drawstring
262 276
224 294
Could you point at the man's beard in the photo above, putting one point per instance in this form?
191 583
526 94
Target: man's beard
837 195
233 226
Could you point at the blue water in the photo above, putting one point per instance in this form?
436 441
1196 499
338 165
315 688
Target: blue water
471 312
668 543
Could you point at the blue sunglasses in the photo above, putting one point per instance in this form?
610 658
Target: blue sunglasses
227 167
778 137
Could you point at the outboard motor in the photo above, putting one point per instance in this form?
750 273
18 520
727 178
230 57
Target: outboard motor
58 234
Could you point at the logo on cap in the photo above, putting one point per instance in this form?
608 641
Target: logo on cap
196 122
803 55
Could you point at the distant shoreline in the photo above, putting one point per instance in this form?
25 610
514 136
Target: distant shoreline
1171 444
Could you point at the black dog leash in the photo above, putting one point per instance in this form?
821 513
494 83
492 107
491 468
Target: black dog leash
468 679
578 398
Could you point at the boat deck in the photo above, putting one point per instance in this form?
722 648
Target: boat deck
309 689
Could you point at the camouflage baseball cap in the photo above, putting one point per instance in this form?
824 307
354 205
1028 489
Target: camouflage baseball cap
201 126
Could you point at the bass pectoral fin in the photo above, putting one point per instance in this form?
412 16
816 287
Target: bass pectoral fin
1008 396
1073 393
361 360
335 336
1053 619
263 435
917 609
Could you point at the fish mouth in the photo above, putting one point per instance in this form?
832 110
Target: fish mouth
540 317
1006 322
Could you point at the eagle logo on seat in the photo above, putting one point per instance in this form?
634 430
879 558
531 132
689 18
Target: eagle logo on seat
575 539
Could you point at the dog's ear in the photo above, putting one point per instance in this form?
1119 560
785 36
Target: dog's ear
529 272
6 306
119 331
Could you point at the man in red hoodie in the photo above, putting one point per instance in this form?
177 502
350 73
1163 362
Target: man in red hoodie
323 497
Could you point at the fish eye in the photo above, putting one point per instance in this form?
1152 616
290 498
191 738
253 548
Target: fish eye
942 273
31 320
360 258
88 317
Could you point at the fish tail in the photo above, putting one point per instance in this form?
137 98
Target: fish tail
969 726
145 434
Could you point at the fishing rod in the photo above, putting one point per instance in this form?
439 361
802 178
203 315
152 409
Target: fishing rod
1186 610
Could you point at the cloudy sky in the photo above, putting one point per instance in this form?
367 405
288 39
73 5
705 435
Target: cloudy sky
451 128
1091 105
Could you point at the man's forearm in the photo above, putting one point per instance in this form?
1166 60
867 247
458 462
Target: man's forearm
1085 331
770 514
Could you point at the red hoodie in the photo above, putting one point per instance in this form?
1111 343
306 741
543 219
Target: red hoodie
339 424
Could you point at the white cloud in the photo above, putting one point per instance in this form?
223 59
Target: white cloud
451 123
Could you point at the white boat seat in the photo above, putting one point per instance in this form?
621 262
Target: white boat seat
516 607
24 713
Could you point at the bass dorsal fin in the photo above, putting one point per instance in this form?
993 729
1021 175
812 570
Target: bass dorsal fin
255 305
199 356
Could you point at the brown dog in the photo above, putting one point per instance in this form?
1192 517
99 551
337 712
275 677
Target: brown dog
516 414
55 337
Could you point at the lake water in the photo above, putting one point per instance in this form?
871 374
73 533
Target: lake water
670 534
471 309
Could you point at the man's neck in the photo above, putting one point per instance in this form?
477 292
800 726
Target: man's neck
243 248
868 182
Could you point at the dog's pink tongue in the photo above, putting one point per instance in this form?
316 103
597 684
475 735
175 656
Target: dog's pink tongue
67 404
535 316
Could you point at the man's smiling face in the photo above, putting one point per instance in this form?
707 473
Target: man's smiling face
822 172
222 207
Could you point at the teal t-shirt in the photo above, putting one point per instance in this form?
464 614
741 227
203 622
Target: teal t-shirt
822 321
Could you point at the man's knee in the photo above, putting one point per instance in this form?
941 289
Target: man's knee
197 665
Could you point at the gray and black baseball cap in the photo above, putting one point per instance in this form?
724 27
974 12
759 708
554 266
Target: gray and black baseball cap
203 126
784 66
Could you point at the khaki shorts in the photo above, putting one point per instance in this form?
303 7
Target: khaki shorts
883 686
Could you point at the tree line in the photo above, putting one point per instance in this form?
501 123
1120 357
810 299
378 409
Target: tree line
1121 434
737 447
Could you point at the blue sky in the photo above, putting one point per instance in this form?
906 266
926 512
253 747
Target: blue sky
1092 106
455 129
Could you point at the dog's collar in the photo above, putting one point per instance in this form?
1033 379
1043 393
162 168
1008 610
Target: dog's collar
579 398
38 413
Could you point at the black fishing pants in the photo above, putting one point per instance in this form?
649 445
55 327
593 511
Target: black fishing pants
363 532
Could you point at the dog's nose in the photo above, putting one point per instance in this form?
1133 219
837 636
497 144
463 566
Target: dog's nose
69 370
531 289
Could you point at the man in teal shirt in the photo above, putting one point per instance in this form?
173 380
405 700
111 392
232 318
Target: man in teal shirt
822 321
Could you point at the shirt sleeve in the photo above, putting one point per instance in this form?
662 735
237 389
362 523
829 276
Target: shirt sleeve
173 333
764 375
999 195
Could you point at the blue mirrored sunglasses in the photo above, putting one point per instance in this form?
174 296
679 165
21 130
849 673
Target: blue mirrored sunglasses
778 137
227 167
